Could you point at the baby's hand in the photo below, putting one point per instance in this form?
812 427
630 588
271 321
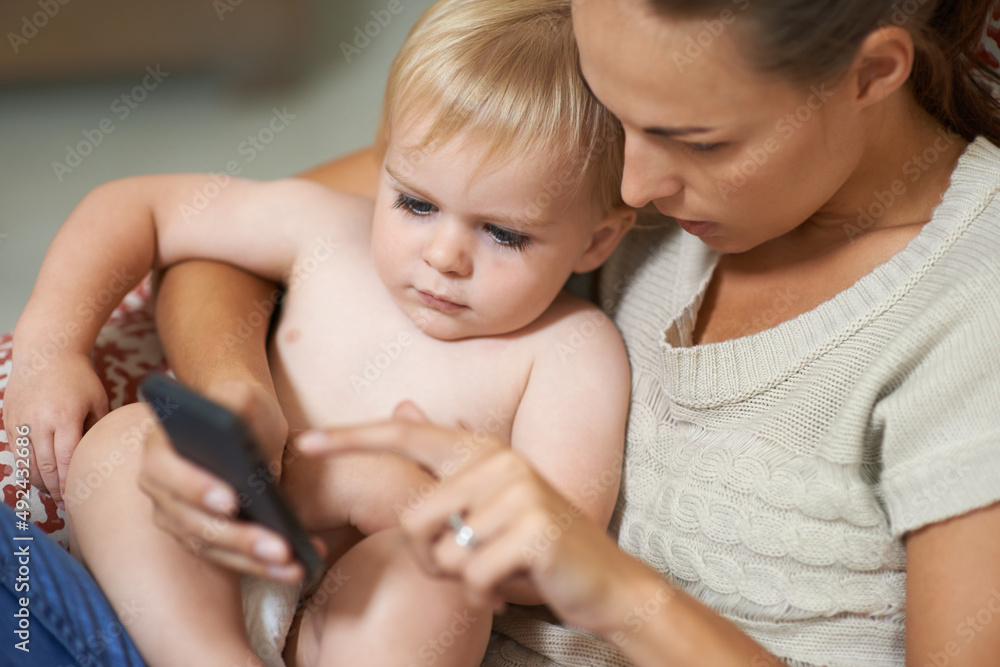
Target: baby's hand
57 403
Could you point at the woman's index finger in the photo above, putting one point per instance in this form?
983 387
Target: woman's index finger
442 451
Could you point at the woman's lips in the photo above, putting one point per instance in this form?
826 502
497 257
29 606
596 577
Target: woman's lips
438 303
697 227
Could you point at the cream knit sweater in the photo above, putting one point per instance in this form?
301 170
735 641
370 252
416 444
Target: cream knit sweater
774 476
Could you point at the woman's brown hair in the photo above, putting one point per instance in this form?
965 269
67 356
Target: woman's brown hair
814 40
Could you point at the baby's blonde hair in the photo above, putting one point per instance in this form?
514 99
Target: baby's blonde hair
507 72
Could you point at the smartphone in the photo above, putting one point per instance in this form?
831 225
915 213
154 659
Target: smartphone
221 442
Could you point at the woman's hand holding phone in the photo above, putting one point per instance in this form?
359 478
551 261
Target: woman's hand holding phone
197 507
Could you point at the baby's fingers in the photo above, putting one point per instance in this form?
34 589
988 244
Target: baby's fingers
37 439
99 409
45 458
64 443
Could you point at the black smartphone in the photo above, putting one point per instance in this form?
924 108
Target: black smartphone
221 442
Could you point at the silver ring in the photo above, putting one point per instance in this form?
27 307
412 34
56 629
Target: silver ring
465 537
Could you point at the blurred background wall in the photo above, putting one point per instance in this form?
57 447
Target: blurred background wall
94 90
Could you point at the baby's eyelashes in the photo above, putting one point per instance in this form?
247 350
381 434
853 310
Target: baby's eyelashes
414 205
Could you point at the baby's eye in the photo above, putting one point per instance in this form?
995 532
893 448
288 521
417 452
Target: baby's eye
414 205
507 238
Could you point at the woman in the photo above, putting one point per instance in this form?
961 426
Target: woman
812 448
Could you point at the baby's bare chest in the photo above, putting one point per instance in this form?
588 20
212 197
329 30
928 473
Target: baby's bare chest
343 352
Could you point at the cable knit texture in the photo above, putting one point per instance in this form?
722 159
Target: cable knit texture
773 476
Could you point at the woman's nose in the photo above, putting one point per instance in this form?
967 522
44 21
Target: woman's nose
650 173
446 251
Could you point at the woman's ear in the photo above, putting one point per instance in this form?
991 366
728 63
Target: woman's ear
882 65
605 238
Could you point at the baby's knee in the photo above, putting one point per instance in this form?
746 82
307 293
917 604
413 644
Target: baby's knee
109 453
379 596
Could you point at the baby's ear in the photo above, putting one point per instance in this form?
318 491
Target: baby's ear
608 233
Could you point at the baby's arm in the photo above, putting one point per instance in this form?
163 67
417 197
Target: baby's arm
107 245
198 303
571 420
357 173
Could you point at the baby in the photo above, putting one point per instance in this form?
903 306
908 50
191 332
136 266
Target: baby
501 178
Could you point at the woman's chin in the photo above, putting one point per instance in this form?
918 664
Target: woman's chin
727 245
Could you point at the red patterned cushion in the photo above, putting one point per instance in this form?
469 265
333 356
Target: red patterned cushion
989 50
127 349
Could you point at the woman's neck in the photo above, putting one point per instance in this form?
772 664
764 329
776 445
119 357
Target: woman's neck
899 180
902 173
883 205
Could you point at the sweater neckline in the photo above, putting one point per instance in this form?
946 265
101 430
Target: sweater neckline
732 371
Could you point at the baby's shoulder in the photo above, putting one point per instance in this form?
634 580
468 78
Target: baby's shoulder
579 371
575 331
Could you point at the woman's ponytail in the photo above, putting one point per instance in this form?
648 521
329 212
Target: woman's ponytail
950 79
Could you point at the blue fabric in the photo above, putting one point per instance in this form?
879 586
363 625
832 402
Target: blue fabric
51 606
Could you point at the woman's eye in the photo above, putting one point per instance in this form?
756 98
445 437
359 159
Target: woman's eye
703 148
414 205
507 238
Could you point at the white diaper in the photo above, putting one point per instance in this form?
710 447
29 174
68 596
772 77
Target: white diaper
269 607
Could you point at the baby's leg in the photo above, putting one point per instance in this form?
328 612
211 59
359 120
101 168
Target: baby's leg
376 607
182 610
